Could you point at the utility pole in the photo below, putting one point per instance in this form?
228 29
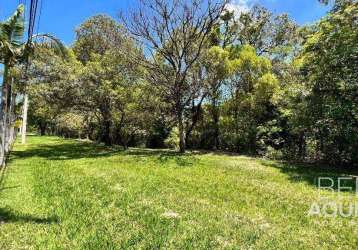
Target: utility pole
24 119
33 9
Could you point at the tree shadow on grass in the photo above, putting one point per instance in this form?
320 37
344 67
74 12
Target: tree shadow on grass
78 150
311 174
180 160
163 156
2 177
6 188
66 151
8 216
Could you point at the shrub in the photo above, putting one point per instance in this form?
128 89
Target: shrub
173 139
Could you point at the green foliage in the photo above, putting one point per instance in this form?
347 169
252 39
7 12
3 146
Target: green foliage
173 139
258 85
18 124
254 96
97 35
330 66
11 34
219 63
272 153
271 35
266 89
70 124
158 132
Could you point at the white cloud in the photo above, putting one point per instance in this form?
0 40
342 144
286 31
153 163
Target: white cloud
239 6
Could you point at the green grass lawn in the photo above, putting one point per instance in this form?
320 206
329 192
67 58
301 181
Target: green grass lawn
65 194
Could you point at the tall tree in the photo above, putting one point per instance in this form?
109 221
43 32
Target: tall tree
97 35
330 66
104 48
174 33
269 34
219 63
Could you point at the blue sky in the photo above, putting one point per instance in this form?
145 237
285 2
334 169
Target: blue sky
60 18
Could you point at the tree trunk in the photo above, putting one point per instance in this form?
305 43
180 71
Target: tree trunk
195 118
106 132
4 112
301 146
181 132
43 127
215 114
124 143
24 119
12 132
5 86
106 123
236 120
13 103
8 120
120 138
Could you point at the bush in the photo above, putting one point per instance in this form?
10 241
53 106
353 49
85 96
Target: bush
273 153
173 139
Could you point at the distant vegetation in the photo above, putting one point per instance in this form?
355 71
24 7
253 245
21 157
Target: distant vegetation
188 75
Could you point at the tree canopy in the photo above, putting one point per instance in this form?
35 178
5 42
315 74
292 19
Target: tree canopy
192 74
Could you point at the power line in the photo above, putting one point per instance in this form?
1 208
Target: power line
39 18
33 9
32 18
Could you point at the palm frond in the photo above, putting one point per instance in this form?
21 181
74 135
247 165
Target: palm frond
13 28
52 42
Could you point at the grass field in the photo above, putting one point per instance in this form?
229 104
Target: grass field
65 194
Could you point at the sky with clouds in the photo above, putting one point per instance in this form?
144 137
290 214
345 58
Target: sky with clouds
302 11
62 17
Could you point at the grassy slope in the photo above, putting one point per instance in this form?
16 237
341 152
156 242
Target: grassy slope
65 194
